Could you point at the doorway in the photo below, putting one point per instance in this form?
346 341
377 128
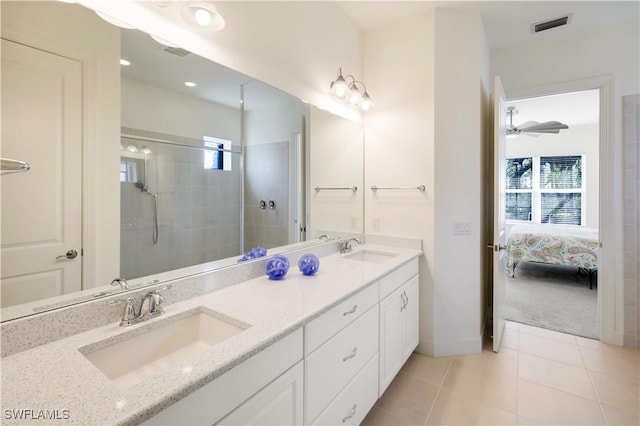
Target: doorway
552 213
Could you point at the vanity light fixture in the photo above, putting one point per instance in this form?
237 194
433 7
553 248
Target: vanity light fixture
355 91
190 84
203 15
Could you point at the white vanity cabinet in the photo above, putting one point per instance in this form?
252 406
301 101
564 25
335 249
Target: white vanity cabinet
398 321
263 388
341 359
279 403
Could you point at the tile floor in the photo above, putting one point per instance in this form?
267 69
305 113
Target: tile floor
538 377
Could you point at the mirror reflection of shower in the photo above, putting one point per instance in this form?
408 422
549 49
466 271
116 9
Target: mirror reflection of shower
180 201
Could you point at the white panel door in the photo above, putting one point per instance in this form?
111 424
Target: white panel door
41 208
499 212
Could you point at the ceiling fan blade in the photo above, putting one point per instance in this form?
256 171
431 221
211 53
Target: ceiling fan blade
527 124
540 131
547 125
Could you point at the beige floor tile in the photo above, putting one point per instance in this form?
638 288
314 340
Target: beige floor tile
509 339
379 417
616 416
409 398
613 391
612 363
619 350
498 390
556 375
551 334
551 349
427 368
551 406
511 325
452 408
503 362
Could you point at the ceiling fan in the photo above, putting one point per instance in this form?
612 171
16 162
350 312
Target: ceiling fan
530 128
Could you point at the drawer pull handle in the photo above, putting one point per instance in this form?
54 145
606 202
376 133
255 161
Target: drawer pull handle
350 311
351 413
351 355
404 302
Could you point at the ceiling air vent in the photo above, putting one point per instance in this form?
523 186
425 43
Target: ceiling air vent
551 23
176 51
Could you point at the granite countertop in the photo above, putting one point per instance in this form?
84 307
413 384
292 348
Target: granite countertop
58 378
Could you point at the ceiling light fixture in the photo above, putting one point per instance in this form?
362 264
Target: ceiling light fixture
354 92
114 21
203 15
163 41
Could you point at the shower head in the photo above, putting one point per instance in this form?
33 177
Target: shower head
145 188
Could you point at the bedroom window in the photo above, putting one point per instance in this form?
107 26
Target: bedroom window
545 189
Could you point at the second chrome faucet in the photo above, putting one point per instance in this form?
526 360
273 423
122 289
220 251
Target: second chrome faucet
138 310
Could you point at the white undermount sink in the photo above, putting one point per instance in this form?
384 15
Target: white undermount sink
372 256
161 346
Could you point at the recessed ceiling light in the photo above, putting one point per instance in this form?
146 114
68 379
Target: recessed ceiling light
124 62
189 84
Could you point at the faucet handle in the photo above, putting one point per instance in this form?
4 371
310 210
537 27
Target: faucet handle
156 301
129 316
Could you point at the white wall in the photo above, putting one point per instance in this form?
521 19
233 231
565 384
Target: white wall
77 33
577 140
428 128
613 51
336 161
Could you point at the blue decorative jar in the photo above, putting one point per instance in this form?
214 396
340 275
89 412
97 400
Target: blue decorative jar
277 267
308 264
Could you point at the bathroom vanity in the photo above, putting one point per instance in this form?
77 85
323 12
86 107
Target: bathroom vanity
303 350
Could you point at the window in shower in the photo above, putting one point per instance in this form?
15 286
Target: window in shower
128 170
217 155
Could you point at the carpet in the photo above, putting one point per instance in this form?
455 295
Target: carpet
553 297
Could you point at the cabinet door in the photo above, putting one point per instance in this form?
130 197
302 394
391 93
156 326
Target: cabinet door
411 312
392 336
279 403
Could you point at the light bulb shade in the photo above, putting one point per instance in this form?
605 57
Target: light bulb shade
366 103
339 87
355 95
203 15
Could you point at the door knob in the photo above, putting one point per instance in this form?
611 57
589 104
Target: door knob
496 247
71 254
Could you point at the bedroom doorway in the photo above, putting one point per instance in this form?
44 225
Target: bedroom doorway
553 212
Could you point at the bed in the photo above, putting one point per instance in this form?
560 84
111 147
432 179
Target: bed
568 245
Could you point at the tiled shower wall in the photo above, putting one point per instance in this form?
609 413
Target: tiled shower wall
631 110
199 216
266 178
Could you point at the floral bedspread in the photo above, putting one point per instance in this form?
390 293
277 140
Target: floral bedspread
555 244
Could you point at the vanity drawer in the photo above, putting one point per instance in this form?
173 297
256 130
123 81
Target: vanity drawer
396 278
354 402
335 363
322 328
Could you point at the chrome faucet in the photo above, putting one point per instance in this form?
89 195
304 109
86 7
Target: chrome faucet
345 246
151 305
121 282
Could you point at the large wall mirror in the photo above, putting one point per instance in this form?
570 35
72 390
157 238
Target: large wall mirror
202 173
